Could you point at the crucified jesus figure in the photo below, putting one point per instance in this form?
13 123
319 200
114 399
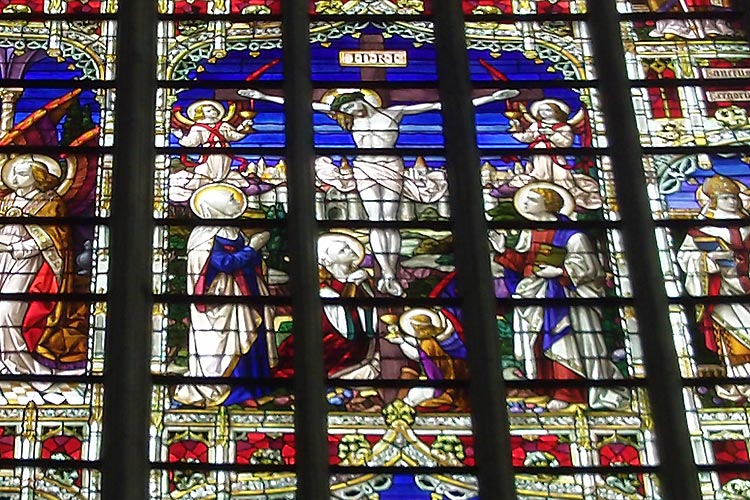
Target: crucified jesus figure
379 178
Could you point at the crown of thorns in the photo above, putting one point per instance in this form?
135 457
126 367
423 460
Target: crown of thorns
342 99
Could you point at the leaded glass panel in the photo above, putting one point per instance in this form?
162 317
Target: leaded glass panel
56 128
393 314
703 178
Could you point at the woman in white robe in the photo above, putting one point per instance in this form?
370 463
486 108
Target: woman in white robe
225 339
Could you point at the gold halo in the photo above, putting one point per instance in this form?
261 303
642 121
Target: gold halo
703 199
198 196
534 108
206 102
71 164
52 165
569 203
371 97
328 238
437 319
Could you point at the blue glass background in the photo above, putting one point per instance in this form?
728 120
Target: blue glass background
417 131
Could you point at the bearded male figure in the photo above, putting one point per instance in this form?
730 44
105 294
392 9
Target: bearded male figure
350 346
379 178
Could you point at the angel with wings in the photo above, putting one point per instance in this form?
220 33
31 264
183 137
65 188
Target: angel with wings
209 125
44 337
546 126
37 337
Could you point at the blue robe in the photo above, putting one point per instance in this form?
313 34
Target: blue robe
234 257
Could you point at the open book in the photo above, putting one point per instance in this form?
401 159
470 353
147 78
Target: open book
713 244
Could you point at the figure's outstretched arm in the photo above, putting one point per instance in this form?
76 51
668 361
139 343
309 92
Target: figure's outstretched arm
415 109
260 96
500 95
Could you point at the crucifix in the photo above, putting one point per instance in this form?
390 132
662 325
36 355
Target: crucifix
374 118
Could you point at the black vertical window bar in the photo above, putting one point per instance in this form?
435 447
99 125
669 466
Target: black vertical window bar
310 411
677 471
127 382
487 388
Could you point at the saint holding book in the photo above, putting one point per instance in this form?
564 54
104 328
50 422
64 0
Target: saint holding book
715 262
554 341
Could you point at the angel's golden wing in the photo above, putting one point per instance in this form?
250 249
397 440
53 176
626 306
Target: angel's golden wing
579 121
179 120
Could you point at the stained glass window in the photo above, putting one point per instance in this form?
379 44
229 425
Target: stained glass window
56 130
443 221
698 110
571 354
220 255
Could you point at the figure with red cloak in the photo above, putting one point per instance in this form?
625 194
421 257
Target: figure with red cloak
349 340
556 341
37 337
715 261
